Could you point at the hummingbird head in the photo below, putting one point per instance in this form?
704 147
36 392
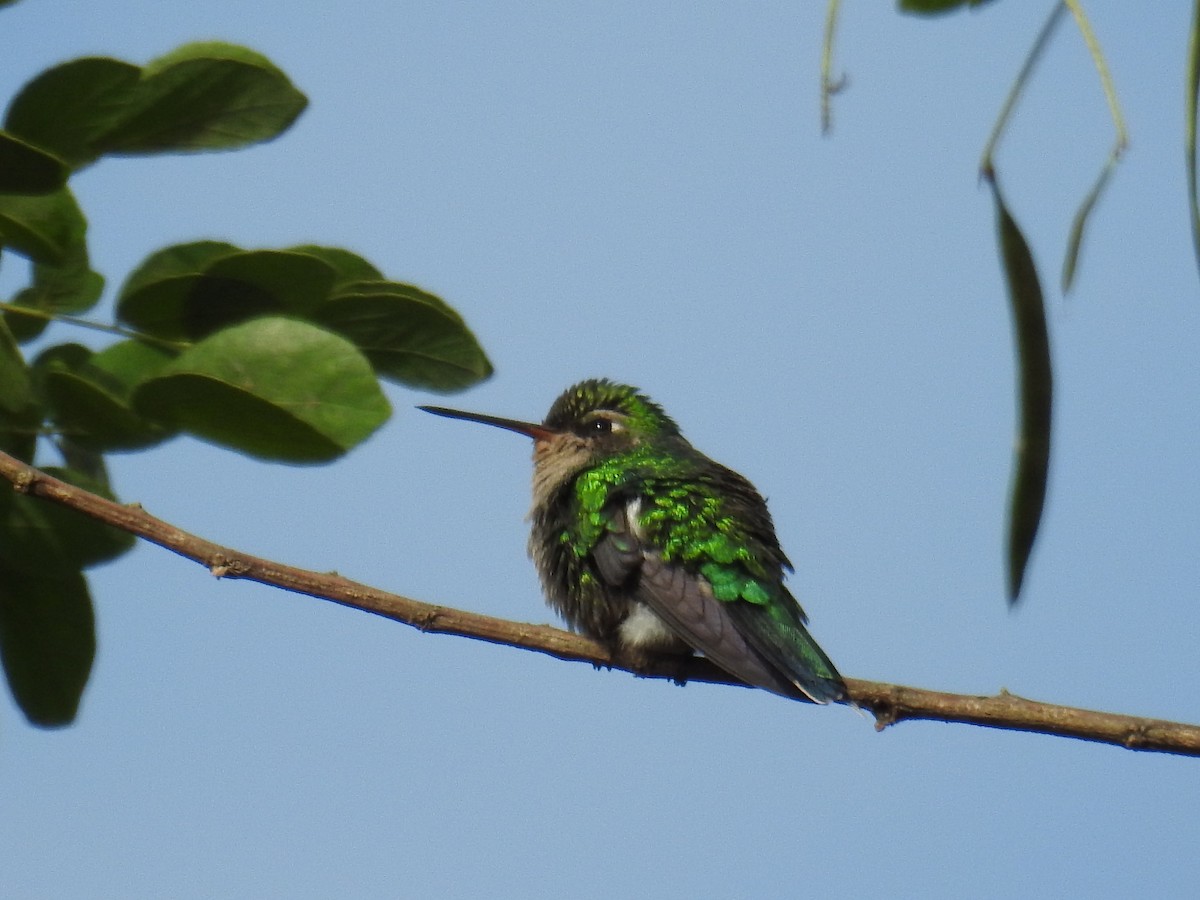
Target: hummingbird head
590 421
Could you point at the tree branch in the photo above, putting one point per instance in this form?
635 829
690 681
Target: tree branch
889 703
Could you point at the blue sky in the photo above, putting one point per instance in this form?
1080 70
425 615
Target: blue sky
641 191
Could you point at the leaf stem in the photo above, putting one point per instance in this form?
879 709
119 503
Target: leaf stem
1120 142
987 162
1193 97
50 316
829 87
1106 81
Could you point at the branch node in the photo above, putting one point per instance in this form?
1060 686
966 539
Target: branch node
24 481
221 566
1137 737
885 715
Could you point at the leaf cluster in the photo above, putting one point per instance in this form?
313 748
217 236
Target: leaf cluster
1035 389
277 354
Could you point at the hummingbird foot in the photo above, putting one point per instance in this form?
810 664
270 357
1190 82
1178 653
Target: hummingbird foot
654 664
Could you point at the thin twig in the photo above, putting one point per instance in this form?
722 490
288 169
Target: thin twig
829 86
987 164
120 331
1106 81
1120 143
889 703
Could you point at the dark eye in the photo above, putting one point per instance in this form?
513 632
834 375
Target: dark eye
599 424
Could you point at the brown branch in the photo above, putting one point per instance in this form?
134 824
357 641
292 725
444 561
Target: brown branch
889 703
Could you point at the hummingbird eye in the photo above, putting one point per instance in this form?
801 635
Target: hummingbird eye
596 425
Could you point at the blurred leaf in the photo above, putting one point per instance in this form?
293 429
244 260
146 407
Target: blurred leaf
1193 98
207 96
294 283
67 108
87 462
89 541
62 356
204 96
1075 239
224 286
407 334
69 356
25 169
89 395
47 642
47 228
20 413
347 266
70 288
176 261
936 7
130 362
1032 464
16 385
39 537
274 388
18 438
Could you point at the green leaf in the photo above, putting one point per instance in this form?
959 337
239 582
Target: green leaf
47 228
130 362
225 286
25 169
1193 98
1075 239
936 7
20 412
87 462
347 266
407 334
47 642
67 108
205 96
71 288
60 356
294 283
1032 464
176 261
273 388
38 537
16 385
89 395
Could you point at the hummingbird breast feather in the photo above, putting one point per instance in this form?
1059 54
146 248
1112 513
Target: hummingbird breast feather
644 630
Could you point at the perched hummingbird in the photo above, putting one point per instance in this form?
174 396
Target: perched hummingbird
645 544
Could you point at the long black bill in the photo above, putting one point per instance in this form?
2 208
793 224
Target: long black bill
529 429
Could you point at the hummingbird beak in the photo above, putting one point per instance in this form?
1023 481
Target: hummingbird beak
529 429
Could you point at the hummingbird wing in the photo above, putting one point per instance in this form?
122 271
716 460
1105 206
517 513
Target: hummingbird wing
686 603
730 633
776 630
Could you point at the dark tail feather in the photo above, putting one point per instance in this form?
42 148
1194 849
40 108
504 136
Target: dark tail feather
787 647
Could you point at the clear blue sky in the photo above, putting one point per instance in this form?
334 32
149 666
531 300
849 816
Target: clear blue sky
640 190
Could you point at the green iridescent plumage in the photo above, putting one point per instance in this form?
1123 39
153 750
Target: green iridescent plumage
685 516
646 544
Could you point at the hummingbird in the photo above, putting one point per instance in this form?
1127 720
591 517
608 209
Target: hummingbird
646 545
